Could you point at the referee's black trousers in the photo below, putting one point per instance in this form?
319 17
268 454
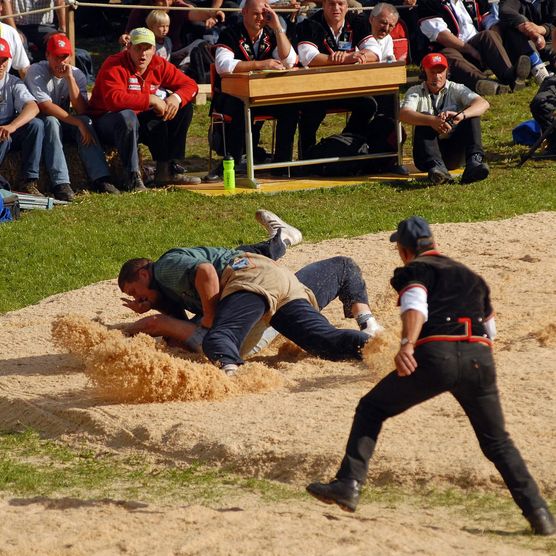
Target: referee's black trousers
467 371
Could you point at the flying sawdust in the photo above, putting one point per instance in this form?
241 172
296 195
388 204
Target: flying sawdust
137 369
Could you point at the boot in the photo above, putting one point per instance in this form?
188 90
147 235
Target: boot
542 522
344 492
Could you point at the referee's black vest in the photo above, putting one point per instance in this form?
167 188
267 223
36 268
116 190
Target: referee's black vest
458 298
236 39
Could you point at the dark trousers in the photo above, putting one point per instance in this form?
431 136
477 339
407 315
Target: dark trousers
429 150
468 70
298 321
517 44
124 130
285 114
313 113
543 107
467 371
165 139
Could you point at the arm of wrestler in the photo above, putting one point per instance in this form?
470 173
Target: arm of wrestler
207 285
163 325
412 322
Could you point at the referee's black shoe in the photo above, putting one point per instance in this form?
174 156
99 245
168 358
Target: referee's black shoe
344 492
542 522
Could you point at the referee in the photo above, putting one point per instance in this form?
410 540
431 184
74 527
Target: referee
447 332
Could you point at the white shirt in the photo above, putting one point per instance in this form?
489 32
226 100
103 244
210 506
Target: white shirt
383 48
224 60
14 95
19 59
307 51
431 28
453 97
46 87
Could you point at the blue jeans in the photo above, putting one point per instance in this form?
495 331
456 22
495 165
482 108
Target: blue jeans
467 371
28 139
92 156
121 130
337 277
298 321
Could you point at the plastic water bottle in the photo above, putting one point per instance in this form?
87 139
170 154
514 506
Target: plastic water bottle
229 173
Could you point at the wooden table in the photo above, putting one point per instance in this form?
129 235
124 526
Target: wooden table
263 88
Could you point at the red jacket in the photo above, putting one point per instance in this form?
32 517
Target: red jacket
119 87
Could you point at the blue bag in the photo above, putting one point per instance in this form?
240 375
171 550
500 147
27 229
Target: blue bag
526 133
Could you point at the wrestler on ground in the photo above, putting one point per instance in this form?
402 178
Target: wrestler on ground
234 290
446 346
140 97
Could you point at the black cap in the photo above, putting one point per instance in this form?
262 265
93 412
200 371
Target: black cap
410 231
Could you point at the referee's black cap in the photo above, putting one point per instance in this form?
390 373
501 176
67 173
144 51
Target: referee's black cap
410 231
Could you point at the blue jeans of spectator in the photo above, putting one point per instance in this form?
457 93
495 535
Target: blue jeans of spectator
28 139
121 130
297 320
92 156
467 371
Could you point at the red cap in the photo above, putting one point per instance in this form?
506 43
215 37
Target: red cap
58 45
5 51
434 59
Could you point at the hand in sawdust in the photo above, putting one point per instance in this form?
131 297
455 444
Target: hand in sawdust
139 306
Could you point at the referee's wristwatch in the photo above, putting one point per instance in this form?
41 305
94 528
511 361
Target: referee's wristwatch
405 341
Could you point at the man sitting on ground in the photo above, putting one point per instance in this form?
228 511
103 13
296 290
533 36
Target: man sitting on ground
140 97
460 31
57 85
19 128
447 130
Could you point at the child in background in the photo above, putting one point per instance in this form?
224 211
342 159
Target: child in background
158 21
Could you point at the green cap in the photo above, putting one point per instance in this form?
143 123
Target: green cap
142 35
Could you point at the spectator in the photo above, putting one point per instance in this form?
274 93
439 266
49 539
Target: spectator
37 28
19 128
458 30
20 60
158 21
327 38
372 35
130 104
543 108
446 117
181 24
257 43
528 30
57 86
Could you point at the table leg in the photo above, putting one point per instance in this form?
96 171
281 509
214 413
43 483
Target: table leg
249 180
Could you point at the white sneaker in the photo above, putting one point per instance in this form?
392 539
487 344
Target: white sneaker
272 223
230 369
269 335
540 73
371 327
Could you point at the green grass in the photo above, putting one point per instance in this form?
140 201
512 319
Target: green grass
31 466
